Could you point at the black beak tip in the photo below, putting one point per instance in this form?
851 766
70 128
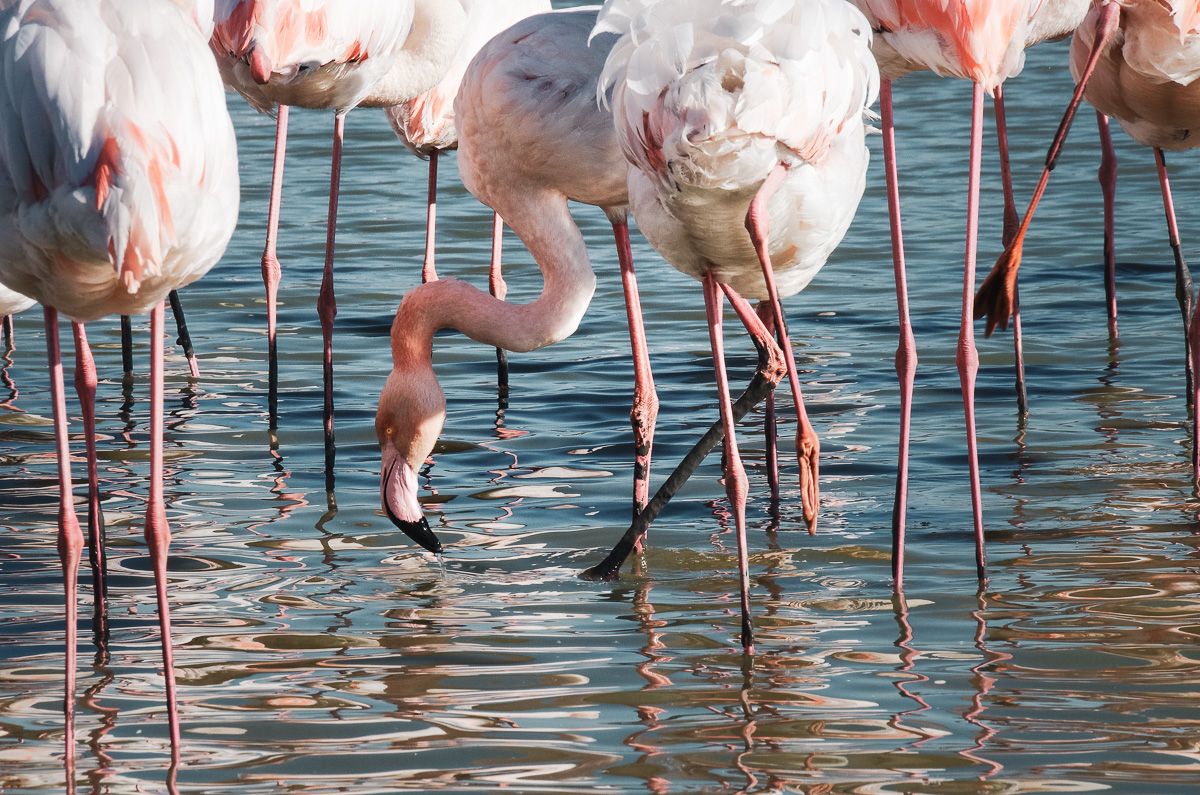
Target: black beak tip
419 532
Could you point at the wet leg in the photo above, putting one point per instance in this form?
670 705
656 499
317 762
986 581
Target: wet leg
10 340
967 357
70 538
1108 187
185 338
1183 293
906 350
158 533
499 289
327 302
736 485
766 314
1011 223
85 387
271 270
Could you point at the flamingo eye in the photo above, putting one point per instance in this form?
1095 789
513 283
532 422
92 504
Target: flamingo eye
389 430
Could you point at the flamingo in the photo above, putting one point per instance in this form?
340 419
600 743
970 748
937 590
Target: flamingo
334 55
536 82
1137 61
744 126
118 183
425 125
982 41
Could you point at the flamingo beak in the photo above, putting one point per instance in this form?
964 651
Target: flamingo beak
260 65
398 490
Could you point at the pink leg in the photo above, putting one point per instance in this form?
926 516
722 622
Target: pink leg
906 351
158 533
271 272
327 303
85 387
1011 223
644 413
499 289
9 337
766 314
736 485
429 269
808 446
1108 186
1183 292
70 538
968 357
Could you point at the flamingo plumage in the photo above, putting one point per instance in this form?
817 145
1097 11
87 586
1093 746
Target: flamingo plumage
1137 61
118 184
536 82
744 126
333 55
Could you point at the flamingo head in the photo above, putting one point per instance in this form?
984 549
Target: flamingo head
411 412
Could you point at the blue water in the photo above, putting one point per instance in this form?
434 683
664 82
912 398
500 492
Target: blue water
318 649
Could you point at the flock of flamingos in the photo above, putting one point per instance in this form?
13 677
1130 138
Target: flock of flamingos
732 130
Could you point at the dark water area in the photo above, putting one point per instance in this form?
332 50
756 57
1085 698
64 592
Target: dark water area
317 649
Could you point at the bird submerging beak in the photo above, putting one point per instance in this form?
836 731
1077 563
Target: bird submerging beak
398 491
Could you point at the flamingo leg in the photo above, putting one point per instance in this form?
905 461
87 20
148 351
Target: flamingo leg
85 387
185 338
1183 276
736 485
643 415
158 532
1011 223
1183 293
967 357
126 346
499 289
271 270
769 373
70 538
9 337
327 302
906 350
770 424
808 446
429 268
1108 187
995 297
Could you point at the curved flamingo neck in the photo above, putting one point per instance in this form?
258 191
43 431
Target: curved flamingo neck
438 28
545 226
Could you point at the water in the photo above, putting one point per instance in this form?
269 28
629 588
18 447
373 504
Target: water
317 649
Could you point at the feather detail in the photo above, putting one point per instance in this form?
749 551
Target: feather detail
119 154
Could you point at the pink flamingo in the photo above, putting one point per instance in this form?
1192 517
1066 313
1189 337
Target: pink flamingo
334 55
982 41
425 125
123 185
744 127
1137 61
537 83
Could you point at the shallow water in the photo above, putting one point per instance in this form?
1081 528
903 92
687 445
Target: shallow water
318 649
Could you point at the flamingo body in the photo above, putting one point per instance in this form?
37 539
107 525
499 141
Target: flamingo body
746 88
12 303
1147 78
425 123
531 137
118 178
308 53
